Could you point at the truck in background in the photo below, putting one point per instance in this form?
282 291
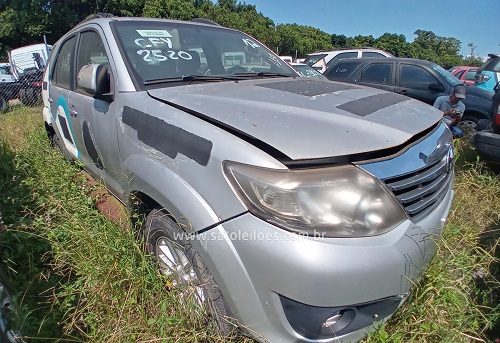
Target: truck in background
27 65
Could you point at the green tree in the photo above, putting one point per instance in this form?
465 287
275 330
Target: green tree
395 44
441 50
172 9
339 41
298 40
361 41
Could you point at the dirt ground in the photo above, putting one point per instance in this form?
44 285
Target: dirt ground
106 202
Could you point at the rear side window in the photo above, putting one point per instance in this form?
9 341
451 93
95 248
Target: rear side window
312 59
61 75
342 55
371 54
377 73
470 74
493 64
342 70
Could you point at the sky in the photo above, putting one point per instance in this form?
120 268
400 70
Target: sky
476 22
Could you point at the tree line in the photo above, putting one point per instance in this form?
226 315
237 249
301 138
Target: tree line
27 22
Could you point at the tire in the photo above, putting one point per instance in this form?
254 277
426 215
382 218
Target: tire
57 142
4 104
30 96
487 145
170 249
468 125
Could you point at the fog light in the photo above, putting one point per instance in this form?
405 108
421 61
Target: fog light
316 322
331 321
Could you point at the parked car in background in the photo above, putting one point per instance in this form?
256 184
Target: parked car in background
319 60
466 74
27 65
487 142
287 59
5 73
295 207
419 79
306 71
488 75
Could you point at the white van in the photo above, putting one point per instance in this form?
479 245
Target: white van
287 59
28 57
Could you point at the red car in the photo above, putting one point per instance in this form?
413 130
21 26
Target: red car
465 74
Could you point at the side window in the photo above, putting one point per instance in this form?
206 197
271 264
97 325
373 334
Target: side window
61 74
342 70
371 54
416 77
90 50
342 55
471 74
377 73
460 73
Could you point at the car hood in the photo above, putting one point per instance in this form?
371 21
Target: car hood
477 92
304 118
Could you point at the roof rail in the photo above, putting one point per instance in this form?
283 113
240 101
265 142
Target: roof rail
205 21
98 15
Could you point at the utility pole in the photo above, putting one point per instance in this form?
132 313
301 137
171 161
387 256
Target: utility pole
472 48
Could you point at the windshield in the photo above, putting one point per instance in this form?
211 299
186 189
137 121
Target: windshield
312 59
447 75
307 71
157 50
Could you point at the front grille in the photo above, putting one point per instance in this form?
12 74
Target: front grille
420 192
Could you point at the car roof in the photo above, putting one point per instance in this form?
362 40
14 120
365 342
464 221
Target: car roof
101 18
384 59
346 50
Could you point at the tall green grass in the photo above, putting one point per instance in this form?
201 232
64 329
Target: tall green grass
76 276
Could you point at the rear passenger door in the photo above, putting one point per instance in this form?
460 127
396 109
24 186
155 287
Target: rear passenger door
379 75
60 86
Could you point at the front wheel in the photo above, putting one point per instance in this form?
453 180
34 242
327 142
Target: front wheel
172 251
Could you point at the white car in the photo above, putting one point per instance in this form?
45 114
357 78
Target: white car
5 74
320 59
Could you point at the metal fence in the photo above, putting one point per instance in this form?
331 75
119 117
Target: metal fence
24 89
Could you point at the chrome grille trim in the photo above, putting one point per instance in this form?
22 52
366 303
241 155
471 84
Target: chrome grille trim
420 192
421 176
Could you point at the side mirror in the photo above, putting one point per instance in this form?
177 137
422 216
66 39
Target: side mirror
94 79
436 87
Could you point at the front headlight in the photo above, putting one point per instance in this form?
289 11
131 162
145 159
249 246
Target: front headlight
341 201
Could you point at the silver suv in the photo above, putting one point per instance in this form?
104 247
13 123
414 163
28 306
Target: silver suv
303 210
320 59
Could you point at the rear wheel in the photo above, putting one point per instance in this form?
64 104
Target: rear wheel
468 125
30 96
171 250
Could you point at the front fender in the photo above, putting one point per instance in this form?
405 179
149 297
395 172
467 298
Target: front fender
170 191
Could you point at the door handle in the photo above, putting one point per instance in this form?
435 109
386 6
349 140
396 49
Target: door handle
403 91
73 113
50 100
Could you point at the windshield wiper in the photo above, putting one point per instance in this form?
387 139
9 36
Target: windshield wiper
262 74
190 78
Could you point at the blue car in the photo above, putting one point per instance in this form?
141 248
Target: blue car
488 75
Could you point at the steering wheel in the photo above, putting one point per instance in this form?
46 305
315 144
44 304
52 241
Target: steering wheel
236 69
